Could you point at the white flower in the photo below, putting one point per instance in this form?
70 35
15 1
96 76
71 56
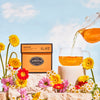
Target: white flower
96 98
49 73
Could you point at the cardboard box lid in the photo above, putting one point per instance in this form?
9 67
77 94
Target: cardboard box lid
36 48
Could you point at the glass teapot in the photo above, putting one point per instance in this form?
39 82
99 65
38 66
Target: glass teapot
91 35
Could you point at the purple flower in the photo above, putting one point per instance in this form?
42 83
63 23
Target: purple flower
6 83
65 84
45 82
23 94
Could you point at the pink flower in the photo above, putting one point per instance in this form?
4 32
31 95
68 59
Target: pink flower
23 94
65 84
6 83
22 91
6 88
45 82
7 80
25 97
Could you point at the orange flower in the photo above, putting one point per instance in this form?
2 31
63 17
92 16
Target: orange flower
21 83
14 62
36 96
88 63
2 47
55 79
14 40
83 78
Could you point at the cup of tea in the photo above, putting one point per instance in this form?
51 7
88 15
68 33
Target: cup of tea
71 56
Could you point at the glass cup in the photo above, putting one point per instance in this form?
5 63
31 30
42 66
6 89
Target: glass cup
71 57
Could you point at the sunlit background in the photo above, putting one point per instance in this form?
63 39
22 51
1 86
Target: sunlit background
44 21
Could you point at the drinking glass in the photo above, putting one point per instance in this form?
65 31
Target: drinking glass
71 56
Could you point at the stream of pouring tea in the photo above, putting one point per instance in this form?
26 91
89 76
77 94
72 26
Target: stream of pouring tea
89 21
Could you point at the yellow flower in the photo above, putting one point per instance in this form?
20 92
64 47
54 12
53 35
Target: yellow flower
14 40
83 78
55 79
14 62
21 83
36 96
2 47
88 63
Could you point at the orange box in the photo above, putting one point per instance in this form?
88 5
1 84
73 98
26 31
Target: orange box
37 57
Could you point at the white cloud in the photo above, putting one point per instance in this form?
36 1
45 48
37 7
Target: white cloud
91 3
14 12
62 36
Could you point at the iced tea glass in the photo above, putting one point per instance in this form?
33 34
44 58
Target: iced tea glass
70 57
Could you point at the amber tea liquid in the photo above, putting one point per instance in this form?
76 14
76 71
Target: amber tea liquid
70 60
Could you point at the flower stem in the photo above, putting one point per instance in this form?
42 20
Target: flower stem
92 75
84 71
6 59
2 89
12 54
2 63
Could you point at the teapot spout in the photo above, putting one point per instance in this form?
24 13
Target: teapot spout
81 31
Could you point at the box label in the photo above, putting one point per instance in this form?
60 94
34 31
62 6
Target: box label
36 61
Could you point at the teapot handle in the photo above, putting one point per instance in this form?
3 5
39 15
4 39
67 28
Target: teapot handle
87 52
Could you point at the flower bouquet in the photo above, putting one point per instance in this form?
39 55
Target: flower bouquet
13 63
13 75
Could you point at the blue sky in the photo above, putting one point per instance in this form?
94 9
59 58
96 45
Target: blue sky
43 21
